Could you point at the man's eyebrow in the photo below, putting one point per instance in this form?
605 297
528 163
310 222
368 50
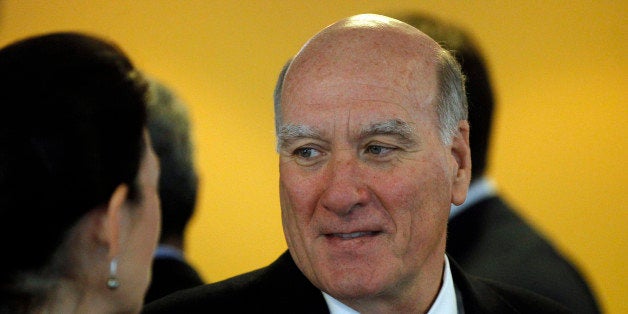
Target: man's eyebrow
291 132
398 128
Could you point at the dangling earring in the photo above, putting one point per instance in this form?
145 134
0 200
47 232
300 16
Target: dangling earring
113 283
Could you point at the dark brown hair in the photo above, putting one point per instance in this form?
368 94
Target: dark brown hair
72 113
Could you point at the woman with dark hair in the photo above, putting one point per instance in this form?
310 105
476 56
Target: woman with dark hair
79 208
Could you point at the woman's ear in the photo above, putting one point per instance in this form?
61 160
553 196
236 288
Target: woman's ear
461 152
113 219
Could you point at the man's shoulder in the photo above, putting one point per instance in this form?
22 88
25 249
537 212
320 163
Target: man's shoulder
522 300
216 295
480 295
277 288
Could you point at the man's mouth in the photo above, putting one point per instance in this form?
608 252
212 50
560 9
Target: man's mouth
353 235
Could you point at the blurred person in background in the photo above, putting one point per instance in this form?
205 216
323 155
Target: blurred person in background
169 128
486 235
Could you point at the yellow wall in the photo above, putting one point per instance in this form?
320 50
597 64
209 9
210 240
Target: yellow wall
560 72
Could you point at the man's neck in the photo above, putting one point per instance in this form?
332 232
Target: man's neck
445 301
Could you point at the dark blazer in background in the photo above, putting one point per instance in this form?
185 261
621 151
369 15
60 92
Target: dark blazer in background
486 240
170 275
282 288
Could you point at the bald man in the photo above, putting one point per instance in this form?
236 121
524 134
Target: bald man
373 143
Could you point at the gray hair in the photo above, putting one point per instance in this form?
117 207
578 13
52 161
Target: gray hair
452 104
277 97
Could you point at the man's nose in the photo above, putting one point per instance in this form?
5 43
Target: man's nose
346 189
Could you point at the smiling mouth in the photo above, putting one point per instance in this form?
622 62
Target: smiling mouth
353 235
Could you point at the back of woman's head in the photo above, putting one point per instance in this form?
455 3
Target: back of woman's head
72 112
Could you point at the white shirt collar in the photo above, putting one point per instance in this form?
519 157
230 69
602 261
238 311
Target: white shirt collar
445 302
479 189
337 307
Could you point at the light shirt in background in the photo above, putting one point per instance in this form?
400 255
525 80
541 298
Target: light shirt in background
168 252
479 189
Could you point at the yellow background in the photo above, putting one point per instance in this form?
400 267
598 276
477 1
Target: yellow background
559 69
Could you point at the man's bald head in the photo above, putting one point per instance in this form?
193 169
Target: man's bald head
349 46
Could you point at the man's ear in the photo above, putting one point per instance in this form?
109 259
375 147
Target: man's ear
113 219
461 152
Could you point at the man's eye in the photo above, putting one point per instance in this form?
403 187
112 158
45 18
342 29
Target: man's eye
306 152
378 150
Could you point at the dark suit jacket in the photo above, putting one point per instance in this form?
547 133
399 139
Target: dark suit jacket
282 288
490 240
170 275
